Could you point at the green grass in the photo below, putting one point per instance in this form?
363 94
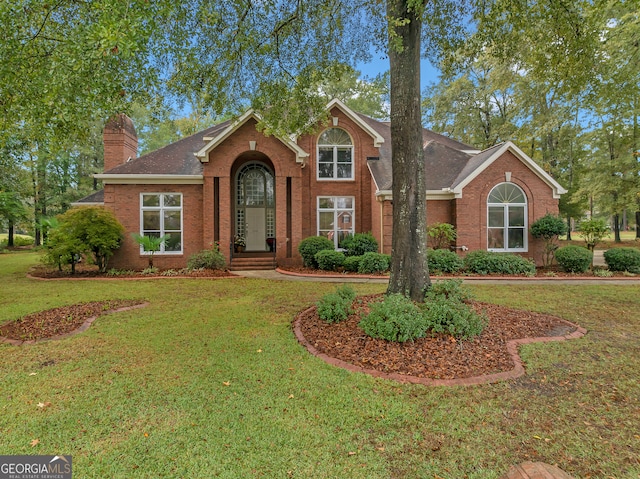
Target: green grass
208 381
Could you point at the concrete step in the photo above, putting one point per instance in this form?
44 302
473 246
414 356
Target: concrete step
252 263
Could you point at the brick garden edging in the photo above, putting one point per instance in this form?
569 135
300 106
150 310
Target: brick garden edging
512 347
83 327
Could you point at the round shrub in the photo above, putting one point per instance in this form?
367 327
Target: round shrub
329 259
337 306
489 262
374 263
396 318
574 259
444 261
359 244
207 259
352 263
308 248
623 259
456 318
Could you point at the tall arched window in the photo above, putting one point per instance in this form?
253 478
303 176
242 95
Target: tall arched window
335 155
507 218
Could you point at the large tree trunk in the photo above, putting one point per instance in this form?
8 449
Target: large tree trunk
409 273
638 224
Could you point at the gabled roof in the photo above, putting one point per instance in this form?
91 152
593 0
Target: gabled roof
480 162
214 141
358 119
95 198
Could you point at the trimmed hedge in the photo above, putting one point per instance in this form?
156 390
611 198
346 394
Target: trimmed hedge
329 259
207 259
444 261
574 259
308 248
359 244
374 263
623 259
352 263
488 262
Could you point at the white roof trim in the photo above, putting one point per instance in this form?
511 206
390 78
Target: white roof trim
88 203
378 140
203 154
524 158
150 179
443 194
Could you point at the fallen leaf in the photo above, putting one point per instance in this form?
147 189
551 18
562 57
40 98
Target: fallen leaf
227 383
259 351
44 404
33 374
35 442
290 396
146 434
352 453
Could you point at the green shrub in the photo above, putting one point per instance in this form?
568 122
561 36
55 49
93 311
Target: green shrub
488 262
396 318
444 261
207 259
549 227
22 240
458 319
359 244
451 289
329 260
574 259
374 263
337 306
441 235
352 263
308 248
623 259
593 231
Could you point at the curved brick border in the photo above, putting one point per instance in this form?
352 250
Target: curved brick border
83 327
512 348
474 278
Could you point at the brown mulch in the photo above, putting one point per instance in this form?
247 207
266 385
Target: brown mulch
90 271
438 357
59 321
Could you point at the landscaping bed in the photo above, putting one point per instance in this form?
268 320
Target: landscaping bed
91 271
437 357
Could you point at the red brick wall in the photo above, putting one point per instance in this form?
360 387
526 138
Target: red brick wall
120 142
124 200
472 207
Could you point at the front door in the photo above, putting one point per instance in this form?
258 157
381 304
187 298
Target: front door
256 228
255 206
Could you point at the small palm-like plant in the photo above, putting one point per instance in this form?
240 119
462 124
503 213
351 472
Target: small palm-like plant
150 244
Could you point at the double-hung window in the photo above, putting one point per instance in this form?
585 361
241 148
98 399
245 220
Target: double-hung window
335 155
335 217
507 218
161 215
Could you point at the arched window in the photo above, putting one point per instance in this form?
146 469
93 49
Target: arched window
507 218
335 155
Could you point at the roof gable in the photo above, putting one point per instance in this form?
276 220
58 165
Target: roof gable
480 162
214 141
378 139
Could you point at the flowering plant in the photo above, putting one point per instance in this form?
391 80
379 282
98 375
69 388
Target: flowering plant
239 240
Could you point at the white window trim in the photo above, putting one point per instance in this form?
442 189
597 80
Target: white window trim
352 213
335 158
505 228
161 208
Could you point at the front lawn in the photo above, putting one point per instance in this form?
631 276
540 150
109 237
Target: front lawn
208 381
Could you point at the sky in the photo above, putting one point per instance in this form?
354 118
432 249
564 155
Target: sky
428 73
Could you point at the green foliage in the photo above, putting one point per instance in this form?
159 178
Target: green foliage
150 244
488 262
549 227
85 230
451 289
308 248
337 306
623 259
374 263
352 263
395 318
210 258
444 261
441 235
329 260
445 316
574 259
593 231
359 244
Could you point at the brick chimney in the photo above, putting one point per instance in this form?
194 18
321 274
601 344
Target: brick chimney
120 141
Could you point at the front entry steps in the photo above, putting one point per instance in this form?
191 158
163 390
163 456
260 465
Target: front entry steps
253 261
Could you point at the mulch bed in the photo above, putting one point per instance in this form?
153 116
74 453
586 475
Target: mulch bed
438 357
90 271
59 321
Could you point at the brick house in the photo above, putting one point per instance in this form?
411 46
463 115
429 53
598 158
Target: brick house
232 181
